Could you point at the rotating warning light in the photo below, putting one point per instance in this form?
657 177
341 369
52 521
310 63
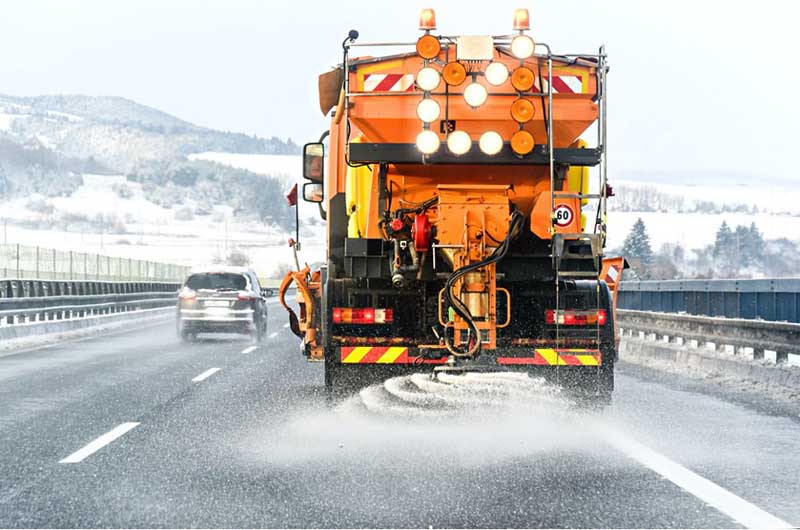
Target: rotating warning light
490 143
428 110
496 73
475 94
459 142
427 142
427 19
522 46
454 73
428 79
522 19
428 46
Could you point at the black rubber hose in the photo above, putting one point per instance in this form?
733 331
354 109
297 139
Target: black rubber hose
458 306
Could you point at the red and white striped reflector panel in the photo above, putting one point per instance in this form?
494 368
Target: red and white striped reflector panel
388 82
564 84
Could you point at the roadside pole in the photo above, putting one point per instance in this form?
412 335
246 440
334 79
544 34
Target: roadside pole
291 198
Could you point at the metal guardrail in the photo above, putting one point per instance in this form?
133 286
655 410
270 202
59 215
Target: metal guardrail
26 300
21 261
769 299
759 335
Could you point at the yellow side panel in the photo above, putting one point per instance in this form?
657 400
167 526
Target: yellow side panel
578 177
358 185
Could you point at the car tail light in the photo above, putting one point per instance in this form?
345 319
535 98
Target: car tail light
362 315
245 296
575 318
187 294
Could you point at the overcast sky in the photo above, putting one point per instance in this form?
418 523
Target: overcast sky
695 85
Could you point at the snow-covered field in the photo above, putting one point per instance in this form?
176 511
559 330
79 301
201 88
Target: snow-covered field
152 232
695 230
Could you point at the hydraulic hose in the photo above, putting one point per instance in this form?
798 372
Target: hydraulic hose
515 223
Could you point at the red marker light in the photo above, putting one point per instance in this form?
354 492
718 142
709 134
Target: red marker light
575 318
522 19
427 19
362 315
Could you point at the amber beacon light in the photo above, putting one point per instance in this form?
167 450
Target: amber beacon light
427 19
522 19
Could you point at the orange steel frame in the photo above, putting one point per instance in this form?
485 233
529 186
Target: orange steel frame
472 198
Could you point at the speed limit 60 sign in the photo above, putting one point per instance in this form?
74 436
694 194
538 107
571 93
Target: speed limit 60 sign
563 215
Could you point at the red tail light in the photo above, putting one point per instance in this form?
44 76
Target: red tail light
575 318
245 296
362 315
187 294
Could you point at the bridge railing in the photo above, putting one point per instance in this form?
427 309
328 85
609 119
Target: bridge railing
746 337
769 299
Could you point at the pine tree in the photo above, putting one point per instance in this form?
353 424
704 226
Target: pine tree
637 249
727 250
741 237
751 244
724 241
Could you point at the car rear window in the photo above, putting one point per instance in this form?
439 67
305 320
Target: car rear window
217 281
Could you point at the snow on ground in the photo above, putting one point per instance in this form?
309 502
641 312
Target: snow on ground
6 120
152 233
286 167
695 230
776 197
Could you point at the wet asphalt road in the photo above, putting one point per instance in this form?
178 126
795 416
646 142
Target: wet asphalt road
255 444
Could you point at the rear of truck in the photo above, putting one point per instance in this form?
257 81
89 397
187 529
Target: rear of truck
463 231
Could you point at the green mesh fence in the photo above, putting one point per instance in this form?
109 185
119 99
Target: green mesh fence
21 261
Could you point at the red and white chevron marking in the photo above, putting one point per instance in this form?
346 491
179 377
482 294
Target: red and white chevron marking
565 84
388 82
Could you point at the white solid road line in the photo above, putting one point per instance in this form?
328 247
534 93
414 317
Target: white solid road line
273 334
99 443
250 349
208 373
738 509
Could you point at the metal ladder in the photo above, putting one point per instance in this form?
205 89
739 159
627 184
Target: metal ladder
596 239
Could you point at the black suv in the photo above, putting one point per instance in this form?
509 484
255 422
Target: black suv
222 300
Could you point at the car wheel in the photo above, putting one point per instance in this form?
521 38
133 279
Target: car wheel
184 334
261 331
188 336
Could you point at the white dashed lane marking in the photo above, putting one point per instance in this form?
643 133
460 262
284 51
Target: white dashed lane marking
286 325
250 349
99 443
208 373
273 334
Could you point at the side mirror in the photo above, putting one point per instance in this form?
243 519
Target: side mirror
312 192
313 162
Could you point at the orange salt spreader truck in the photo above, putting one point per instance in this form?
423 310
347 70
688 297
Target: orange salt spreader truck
461 230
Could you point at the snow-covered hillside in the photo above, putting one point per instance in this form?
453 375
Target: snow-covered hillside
118 132
286 167
690 213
